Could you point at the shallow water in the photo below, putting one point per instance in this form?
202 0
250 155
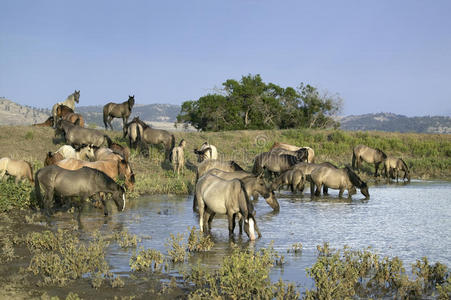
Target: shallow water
408 221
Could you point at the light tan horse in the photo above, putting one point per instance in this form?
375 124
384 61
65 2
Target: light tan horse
369 155
111 168
310 151
69 102
18 168
177 157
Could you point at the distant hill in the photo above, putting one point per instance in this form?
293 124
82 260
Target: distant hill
164 116
393 122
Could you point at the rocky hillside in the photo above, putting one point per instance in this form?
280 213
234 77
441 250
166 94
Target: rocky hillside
398 123
12 113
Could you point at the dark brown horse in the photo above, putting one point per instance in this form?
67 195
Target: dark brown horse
62 111
369 155
113 110
46 123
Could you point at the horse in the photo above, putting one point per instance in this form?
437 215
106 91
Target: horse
113 110
66 151
18 168
293 177
177 157
216 195
340 179
396 164
153 136
272 162
369 155
46 123
83 183
134 131
301 154
75 119
69 102
203 167
310 152
112 168
254 185
63 110
77 136
205 152
124 151
307 169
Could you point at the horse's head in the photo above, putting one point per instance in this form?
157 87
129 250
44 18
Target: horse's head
302 154
119 198
267 192
250 226
88 150
131 101
77 96
364 190
126 170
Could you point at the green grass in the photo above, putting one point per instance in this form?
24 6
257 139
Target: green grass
427 155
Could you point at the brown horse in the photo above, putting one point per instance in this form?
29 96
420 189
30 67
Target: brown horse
113 110
75 119
52 158
69 102
393 164
119 149
18 168
112 168
293 177
46 123
62 111
369 155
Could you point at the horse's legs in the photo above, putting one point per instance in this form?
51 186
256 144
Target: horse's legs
240 222
105 208
318 189
206 221
376 166
325 190
312 189
2 174
340 193
201 205
231 218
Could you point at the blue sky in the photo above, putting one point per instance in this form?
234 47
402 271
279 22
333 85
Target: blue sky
379 56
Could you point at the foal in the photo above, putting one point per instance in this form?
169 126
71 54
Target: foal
178 157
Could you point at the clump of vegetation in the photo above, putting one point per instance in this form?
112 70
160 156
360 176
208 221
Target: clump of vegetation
146 260
7 250
126 240
350 273
61 257
244 274
198 242
296 248
12 195
177 247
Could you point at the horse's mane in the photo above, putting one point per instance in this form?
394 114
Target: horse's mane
381 152
236 166
355 180
404 163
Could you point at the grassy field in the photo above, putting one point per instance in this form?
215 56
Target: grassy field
428 155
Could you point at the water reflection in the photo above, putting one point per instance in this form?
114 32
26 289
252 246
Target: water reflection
409 221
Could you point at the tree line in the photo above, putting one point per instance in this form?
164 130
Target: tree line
251 103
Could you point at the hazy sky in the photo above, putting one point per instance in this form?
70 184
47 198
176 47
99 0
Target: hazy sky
379 56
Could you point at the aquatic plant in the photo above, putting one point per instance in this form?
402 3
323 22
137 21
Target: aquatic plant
146 260
176 247
348 273
7 250
244 274
296 248
126 240
198 242
12 195
62 257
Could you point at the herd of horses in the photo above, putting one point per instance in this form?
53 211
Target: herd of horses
88 166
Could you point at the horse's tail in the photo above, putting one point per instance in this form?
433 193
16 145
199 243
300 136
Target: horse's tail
354 178
246 207
236 166
172 141
37 189
30 173
108 140
353 159
105 115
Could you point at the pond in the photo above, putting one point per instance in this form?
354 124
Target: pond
409 221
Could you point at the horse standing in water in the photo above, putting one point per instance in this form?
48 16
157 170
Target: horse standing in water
216 195
340 179
113 110
69 102
393 164
369 155
83 183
